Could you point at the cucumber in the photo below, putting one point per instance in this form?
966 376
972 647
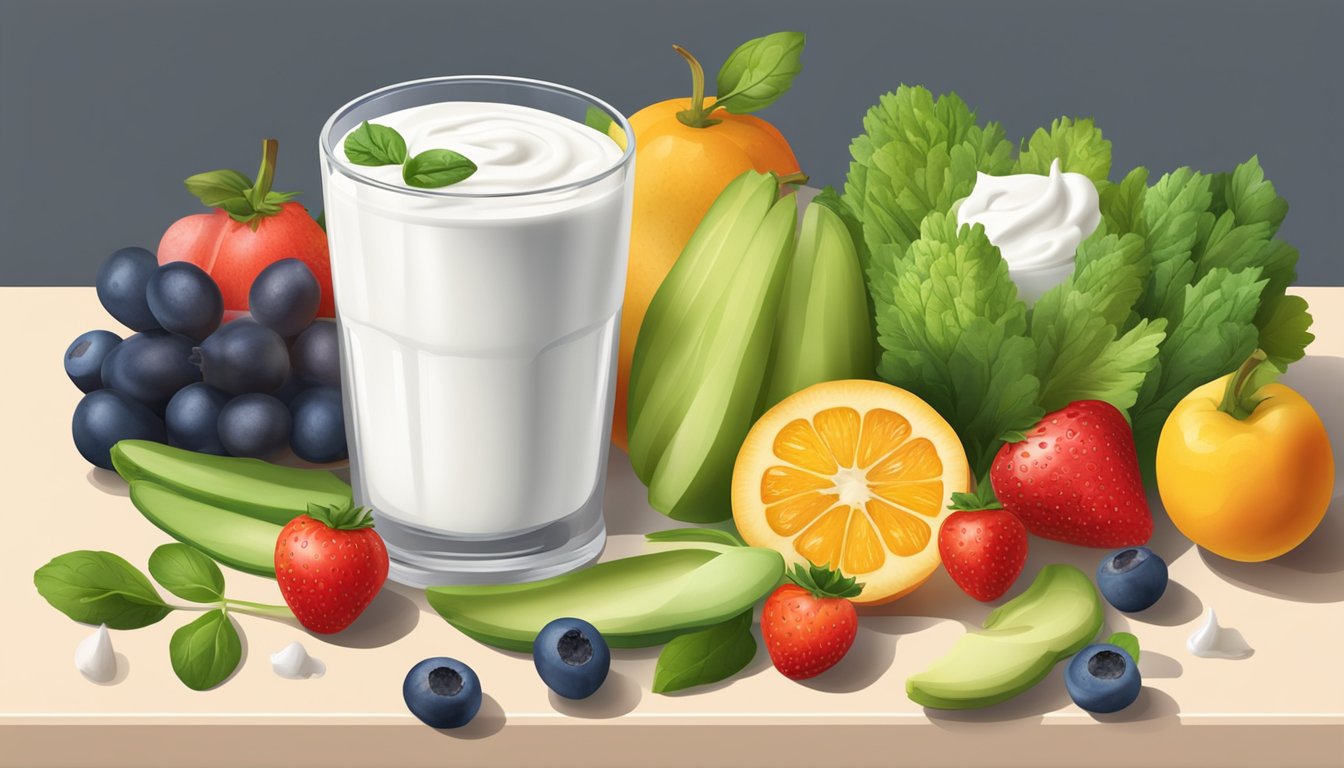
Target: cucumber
634 602
249 487
235 540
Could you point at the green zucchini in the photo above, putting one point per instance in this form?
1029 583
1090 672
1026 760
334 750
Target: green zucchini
249 487
235 540
634 602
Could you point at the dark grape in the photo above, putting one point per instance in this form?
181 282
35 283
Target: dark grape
192 418
185 300
316 355
318 434
150 367
121 287
106 416
243 356
254 425
84 358
284 297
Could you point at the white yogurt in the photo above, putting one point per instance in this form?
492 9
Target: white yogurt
1035 221
1212 641
478 333
94 657
293 663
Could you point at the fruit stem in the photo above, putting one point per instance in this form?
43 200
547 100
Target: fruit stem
259 609
1237 401
697 116
270 150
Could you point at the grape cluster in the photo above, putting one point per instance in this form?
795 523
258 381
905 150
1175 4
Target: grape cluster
250 387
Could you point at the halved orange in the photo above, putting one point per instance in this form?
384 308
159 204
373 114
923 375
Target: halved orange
856 475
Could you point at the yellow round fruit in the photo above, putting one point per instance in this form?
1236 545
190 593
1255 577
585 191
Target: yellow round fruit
856 475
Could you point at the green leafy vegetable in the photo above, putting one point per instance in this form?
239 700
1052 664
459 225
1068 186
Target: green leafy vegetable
759 72
436 168
1181 280
1077 144
205 652
374 145
100 588
705 657
187 573
1127 641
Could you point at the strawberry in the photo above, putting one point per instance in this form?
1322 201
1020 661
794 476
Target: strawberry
810 624
983 546
1075 478
329 564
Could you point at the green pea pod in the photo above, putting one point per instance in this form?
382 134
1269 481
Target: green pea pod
634 602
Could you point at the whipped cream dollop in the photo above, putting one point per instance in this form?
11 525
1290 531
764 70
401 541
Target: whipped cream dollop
94 657
293 662
1212 641
1035 221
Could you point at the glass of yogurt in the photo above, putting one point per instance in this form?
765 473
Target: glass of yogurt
478 324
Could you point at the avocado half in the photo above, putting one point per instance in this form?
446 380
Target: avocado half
1058 615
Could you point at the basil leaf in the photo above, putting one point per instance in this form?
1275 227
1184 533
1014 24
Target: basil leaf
187 572
759 72
213 187
707 656
710 535
100 588
436 168
371 144
205 652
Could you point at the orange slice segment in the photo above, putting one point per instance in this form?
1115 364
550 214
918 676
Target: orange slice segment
851 474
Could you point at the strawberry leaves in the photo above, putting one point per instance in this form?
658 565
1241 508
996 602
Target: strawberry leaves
341 517
823 582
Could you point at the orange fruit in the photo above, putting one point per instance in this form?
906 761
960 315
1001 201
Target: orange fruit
679 172
856 475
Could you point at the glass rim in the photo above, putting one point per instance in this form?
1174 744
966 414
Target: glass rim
352 172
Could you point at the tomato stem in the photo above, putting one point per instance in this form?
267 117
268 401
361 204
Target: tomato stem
270 150
698 115
1238 402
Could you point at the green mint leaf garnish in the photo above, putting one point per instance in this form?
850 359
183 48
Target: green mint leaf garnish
187 572
100 588
759 72
435 168
705 657
375 145
205 652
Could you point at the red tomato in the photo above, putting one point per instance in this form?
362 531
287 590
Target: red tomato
233 254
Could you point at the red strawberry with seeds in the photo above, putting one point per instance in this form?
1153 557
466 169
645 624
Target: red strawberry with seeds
809 625
330 563
983 546
1075 478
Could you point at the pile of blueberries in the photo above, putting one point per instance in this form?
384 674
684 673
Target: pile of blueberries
250 387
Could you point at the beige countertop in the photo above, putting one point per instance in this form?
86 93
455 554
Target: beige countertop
1282 706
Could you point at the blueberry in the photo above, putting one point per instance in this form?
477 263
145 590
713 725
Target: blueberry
290 389
84 358
185 300
317 355
244 356
121 287
254 425
192 418
284 297
150 367
442 692
105 416
1103 678
571 657
1132 579
319 425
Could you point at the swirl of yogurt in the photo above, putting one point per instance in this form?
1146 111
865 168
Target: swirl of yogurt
1035 221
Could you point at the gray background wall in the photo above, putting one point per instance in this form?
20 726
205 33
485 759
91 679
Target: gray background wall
106 105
